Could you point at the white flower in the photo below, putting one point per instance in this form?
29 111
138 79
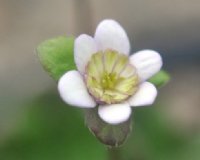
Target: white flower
107 78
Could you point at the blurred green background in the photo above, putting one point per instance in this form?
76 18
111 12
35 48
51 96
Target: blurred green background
36 125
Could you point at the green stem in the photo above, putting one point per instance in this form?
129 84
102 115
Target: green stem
114 153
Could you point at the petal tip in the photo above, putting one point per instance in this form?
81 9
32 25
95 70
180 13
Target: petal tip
84 47
148 63
72 90
145 96
115 114
111 35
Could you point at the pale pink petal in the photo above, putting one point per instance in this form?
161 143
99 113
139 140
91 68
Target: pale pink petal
84 47
147 63
145 95
110 35
114 113
73 91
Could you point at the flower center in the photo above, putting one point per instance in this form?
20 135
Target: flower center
110 78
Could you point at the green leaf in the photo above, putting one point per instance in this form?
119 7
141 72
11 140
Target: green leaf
160 79
50 130
111 135
56 56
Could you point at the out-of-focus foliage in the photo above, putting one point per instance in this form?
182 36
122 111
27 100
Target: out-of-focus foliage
56 56
52 130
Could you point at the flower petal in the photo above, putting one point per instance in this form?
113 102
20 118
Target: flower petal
73 91
115 113
144 96
84 47
147 62
110 35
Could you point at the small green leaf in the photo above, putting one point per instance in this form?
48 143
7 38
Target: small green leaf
111 135
56 56
160 79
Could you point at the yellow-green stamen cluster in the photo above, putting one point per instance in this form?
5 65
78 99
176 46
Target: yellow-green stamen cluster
110 77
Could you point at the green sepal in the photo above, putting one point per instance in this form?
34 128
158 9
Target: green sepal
160 79
110 135
56 56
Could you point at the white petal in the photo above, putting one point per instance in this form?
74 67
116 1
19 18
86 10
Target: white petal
110 35
147 62
144 96
73 91
115 113
84 47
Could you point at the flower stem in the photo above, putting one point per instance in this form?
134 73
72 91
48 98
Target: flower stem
114 153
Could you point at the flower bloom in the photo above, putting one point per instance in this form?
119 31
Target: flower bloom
107 77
